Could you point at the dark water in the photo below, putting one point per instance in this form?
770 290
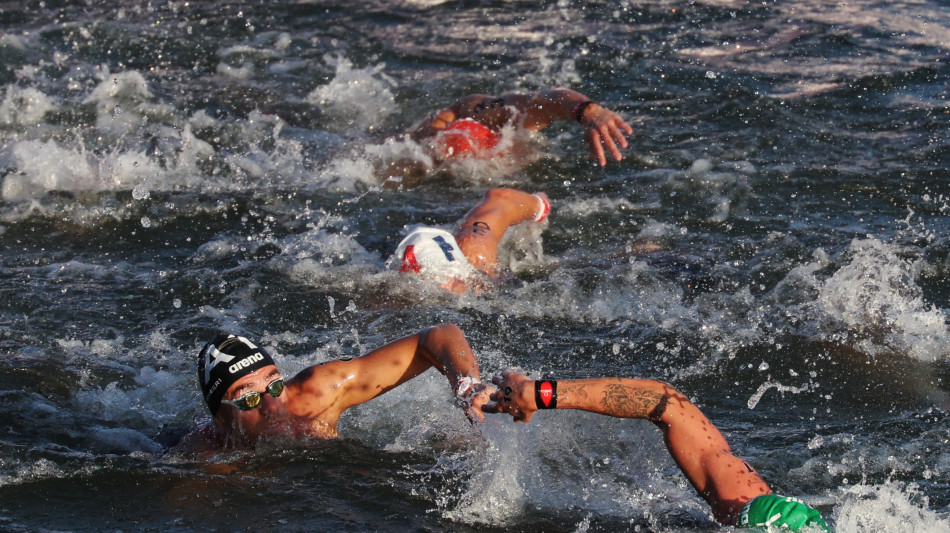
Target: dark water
171 169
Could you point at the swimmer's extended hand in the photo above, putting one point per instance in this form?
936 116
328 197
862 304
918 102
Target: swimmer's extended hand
515 396
473 398
604 128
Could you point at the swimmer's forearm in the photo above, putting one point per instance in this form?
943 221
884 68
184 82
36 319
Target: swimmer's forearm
551 105
564 98
447 349
620 397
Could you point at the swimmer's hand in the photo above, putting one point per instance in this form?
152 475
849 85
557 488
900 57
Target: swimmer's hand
514 396
432 124
442 120
604 129
473 398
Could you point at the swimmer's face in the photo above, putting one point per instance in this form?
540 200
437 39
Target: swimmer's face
268 419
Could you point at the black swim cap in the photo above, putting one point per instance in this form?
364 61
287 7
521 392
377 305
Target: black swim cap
224 360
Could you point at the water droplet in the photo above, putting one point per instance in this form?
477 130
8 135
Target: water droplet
140 192
146 222
177 303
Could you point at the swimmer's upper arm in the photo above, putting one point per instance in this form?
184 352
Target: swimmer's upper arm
491 111
355 381
706 459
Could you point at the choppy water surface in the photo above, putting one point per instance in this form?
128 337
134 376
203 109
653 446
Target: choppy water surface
172 168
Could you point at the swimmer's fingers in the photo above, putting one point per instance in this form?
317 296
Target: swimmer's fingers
442 120
514 396
474 401
608 141
475 414
509 379
604 128
481 398
608 135
593 138
619 131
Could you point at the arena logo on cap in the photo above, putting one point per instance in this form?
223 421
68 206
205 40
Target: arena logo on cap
221 357
246 362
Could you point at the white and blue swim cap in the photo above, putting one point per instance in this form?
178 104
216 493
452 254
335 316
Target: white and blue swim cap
433 252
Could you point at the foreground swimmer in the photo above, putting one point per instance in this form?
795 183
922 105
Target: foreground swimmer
250 401
457 259
737 494
534 111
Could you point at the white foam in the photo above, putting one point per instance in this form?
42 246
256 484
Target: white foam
875 295
46 166
13 41
120 100
24 107
127 86
30 472
358 98
244 72
565 463
887 507
328 248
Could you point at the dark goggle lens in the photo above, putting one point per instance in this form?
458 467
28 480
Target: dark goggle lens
276 388
253 399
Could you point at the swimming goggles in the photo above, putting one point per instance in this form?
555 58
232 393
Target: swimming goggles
252 400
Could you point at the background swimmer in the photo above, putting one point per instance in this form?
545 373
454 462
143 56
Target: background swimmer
471 126
457 259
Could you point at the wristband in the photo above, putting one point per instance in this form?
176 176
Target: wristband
545 208
579 109
545 394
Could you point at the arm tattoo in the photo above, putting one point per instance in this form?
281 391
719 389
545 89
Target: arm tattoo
631 402
578 391
480 228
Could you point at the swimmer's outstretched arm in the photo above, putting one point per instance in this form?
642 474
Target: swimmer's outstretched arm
355 381
603 128
698 447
